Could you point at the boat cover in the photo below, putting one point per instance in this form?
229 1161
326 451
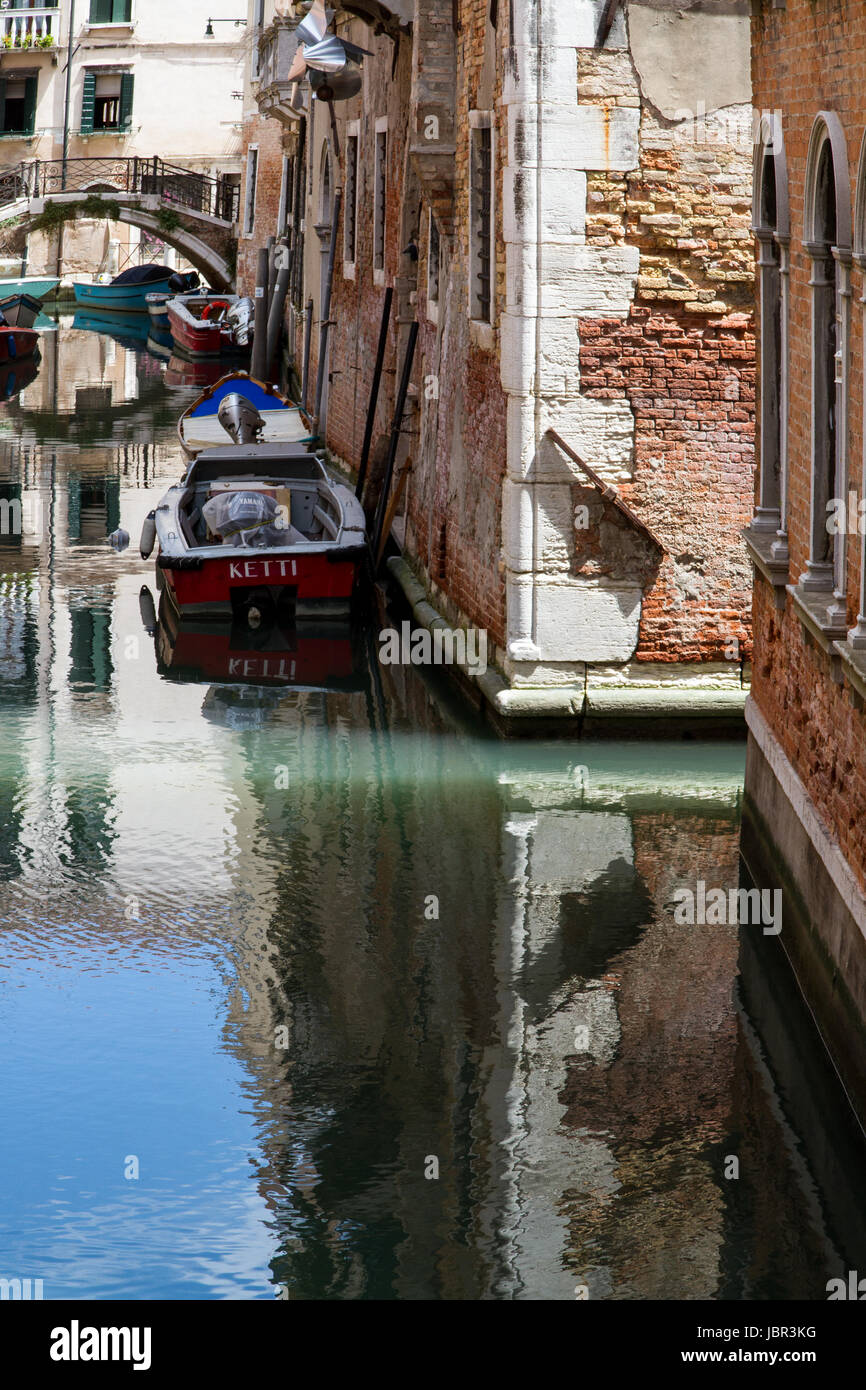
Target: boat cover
143 275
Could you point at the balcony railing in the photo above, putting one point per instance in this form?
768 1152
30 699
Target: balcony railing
28 26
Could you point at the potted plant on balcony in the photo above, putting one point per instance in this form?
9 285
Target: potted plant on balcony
25 41
45 41
7 40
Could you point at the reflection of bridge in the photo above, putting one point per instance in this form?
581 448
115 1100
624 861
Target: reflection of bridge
189 210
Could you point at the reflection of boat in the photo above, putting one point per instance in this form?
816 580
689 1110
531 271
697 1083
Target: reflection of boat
17 343
20 310
37 286
130 330
14 376
200 325
257 522
159 343
128 291
182 371
273 654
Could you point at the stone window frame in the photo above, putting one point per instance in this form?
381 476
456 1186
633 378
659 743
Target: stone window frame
251 188
482 330
766 535
821 591
857 634
258 28
350 208
433 276
380 214
286 186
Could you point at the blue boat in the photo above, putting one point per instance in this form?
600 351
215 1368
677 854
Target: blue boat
37 286
128 292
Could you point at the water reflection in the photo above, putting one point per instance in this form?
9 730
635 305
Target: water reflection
382 1006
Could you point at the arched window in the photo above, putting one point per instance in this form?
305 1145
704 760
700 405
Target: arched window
770 224
828 244
325 185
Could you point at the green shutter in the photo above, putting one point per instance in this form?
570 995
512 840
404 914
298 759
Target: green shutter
88 101
2 104
122 12
100 11
127 85
30 89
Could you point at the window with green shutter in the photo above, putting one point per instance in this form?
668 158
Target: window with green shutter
127 87
87 103
18 105
31 88
110 11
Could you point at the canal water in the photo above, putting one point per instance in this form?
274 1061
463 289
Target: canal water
311 988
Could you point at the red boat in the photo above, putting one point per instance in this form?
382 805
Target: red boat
200 325
257 526
16 343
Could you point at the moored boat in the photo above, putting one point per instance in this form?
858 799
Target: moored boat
200 427
20 310
128 292
257 526
17 343
157 307
37 286
202 325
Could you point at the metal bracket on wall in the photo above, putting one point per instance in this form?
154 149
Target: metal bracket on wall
605 24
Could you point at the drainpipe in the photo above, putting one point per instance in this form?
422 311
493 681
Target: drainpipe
521 341
69 50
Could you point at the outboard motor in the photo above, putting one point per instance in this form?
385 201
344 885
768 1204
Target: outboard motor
239 418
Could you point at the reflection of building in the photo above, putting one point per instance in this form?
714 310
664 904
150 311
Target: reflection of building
145 81
806 775
564 1159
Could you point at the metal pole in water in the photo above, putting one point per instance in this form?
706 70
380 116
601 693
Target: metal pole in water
374 393
308 340
396 425
260 329
278 304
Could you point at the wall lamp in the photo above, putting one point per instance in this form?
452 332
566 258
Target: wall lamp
209 33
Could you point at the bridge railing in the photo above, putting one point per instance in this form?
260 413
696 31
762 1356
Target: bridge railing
186 188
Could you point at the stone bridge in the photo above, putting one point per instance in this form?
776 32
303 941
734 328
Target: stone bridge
188 210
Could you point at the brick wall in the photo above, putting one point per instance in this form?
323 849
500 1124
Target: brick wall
683 359
808 58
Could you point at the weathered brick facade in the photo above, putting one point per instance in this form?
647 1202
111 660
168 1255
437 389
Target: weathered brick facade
806 776
620 316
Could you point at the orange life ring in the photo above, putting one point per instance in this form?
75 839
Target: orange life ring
212 307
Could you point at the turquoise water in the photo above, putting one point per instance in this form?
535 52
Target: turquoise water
294 981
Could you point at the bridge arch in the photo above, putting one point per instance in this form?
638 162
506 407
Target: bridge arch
207 242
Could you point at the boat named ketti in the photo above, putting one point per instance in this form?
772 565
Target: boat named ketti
257 525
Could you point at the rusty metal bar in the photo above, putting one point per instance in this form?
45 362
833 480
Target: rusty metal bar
606 490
